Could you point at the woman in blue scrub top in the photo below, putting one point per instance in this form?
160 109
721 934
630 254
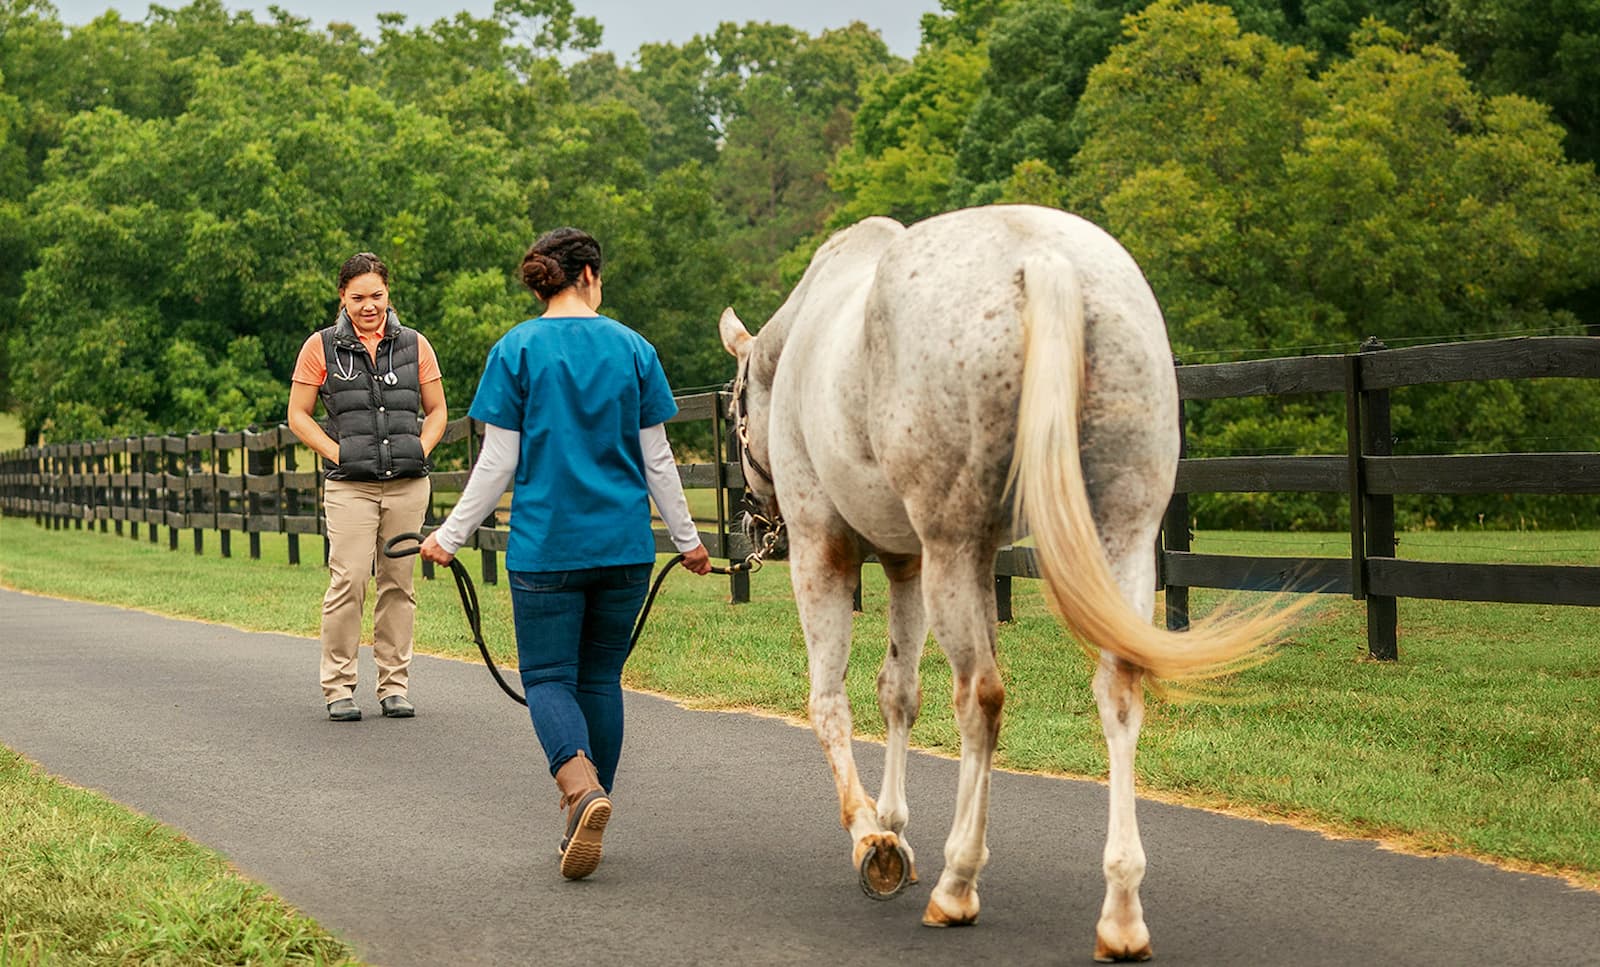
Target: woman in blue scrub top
574 404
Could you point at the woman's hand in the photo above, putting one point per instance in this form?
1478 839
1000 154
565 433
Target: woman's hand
697 560
431 551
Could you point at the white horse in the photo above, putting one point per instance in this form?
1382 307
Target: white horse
921 395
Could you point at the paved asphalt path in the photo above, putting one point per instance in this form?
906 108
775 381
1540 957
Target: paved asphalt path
433 840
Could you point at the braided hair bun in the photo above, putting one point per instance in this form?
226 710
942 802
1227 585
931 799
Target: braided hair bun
557 260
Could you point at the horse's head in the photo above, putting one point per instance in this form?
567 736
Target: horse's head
752 393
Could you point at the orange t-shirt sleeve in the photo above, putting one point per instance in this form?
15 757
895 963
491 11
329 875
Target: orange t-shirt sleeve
312 366
427 362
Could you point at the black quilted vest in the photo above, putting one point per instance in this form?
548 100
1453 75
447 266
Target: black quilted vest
374 407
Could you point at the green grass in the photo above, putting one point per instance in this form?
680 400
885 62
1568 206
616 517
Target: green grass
84 881
1483 739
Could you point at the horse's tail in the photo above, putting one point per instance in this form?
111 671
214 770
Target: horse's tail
1046 480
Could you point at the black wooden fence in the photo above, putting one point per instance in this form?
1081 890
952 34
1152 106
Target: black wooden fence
250 483
253 482
1370 476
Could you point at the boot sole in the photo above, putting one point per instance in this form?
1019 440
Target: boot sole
582 854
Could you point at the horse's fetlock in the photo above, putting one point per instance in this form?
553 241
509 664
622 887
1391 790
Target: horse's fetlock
1126 870
893 819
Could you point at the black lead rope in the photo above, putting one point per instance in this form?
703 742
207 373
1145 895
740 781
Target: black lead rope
469 601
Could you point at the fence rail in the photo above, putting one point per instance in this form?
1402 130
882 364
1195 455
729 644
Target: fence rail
250 482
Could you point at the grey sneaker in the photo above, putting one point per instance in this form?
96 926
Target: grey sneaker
397 707
344 710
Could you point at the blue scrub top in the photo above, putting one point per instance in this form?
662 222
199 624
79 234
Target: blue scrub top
578 389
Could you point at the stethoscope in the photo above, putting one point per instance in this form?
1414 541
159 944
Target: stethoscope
347 374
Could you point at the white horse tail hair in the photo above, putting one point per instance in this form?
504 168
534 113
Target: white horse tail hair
1050 494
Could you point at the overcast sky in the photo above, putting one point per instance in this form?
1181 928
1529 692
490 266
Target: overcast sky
627 23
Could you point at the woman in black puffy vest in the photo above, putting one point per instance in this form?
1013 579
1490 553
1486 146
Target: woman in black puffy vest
380 386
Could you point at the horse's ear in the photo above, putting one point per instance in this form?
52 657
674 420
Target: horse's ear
735 336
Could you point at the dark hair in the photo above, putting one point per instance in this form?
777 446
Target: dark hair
557 259
360 264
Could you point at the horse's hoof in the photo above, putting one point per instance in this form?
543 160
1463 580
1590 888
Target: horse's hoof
1106 954
937 915
1137 956
885 871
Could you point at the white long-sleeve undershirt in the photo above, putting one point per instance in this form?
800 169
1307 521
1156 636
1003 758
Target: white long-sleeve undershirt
497 464
666 488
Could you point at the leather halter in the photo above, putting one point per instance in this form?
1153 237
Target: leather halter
773 527
741 423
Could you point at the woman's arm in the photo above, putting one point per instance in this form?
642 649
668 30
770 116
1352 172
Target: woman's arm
303 422
666 489
435 414
497 464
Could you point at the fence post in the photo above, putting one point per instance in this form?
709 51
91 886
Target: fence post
224 501
257 462
154 467
1175 534
44 514
75 498
1377 440
133 460
1002 597
57 499
430 520
491 572
198 505
70 518
173 480
36 467
116 491
291 498
102 484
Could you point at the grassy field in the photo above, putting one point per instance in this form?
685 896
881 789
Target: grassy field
83 880
1484 739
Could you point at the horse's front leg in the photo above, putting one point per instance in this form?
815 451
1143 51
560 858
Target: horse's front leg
959 593
900 690
823 568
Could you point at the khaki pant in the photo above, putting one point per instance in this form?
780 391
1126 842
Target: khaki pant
362 516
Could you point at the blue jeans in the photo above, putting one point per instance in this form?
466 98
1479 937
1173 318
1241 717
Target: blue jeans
572 640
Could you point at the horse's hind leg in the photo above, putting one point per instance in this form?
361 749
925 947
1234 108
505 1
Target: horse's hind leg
958 587
823 568
899 690
1121 933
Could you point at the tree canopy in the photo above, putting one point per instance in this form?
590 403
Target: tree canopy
177 193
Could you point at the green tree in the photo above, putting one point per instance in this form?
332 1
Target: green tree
1548 50
473 72
760 108
13 240
1387 196
160 239
901 158
1040 55
784 122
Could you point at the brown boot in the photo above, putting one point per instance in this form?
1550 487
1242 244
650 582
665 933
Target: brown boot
588 810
